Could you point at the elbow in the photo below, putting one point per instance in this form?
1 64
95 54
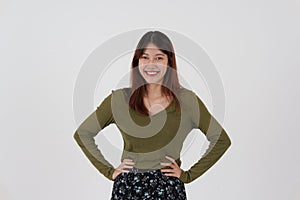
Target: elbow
227 142
76 136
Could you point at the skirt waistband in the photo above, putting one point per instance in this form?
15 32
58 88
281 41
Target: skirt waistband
137 170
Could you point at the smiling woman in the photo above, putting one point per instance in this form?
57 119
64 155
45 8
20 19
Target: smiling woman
156 80
153 65
154 116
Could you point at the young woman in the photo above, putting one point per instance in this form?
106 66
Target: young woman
154 116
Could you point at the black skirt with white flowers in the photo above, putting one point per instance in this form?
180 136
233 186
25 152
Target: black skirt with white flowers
152 184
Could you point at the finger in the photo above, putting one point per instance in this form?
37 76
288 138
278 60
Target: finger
166 164
171 159
166 170
170 174
128 166
126 159
128 162
123 170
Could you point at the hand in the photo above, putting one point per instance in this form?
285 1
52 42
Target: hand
175 171
126 163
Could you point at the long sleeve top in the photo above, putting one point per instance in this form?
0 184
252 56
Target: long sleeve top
148 139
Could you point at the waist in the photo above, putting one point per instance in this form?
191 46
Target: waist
138 170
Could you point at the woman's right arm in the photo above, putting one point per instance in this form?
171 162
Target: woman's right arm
88 129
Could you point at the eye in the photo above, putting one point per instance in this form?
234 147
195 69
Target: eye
144 57
159 58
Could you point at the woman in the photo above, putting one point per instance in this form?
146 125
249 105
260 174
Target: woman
154 116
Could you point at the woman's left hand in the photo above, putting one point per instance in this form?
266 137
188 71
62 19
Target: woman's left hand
175 171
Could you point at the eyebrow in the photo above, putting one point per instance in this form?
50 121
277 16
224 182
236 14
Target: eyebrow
158 54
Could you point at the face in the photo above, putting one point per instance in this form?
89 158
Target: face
153 64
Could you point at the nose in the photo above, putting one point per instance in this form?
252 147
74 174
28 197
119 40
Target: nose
151 66
152 61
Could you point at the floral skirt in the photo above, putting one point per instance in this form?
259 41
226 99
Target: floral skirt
152 184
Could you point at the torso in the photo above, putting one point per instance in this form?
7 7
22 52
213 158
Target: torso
157 105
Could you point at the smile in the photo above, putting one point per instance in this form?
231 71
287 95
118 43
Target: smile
152 72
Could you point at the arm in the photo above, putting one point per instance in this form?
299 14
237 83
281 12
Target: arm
88 129
215 134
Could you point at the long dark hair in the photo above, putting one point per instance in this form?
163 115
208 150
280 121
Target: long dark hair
138 84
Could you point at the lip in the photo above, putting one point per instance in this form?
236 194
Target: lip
151 71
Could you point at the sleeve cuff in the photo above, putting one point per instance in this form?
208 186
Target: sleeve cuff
183 176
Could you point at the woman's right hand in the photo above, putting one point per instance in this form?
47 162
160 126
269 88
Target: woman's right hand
126 163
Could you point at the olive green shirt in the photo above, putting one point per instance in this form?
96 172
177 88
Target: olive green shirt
148 139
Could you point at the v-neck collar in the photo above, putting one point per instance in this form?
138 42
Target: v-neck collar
169 108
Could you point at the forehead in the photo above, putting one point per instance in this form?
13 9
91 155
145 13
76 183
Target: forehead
151 49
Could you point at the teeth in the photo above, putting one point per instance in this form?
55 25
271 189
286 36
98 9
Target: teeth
151 72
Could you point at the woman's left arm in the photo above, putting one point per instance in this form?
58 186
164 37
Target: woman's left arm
215 134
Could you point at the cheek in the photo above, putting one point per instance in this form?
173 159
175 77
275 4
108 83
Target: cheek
140 69
140 66
165 64
163 70
141 63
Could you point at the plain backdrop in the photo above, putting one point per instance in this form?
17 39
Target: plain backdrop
253 44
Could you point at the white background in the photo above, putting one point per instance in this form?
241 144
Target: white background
253 44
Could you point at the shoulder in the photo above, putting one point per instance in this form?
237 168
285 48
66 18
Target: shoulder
184 94
119 96
113 94
187 95
121 92
185 91
191 101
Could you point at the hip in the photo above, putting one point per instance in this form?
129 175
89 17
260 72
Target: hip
147 184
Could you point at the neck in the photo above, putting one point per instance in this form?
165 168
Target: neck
154 90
